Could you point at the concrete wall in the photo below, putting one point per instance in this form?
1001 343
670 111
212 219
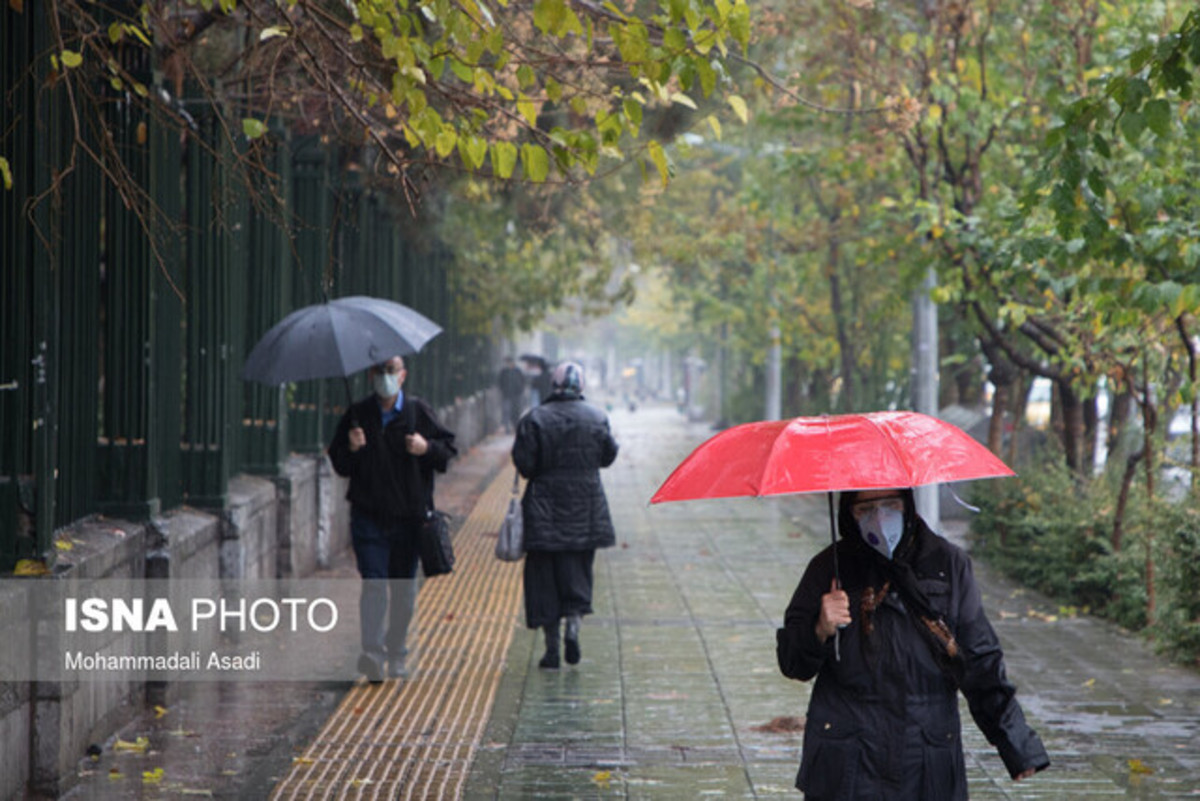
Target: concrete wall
66 717
289 526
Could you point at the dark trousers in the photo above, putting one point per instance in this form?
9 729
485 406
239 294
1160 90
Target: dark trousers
386 554
557 584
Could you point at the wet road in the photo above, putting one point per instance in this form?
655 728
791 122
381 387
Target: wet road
678 695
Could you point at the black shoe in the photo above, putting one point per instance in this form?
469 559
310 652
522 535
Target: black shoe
371 667
549 661
571 649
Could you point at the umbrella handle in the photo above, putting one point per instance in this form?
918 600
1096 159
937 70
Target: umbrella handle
837 574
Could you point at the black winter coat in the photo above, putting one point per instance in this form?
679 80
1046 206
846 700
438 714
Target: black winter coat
386 481
560 447
886 715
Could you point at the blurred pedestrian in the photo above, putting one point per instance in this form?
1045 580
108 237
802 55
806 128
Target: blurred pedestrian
890 649
560 447
389 445
511 381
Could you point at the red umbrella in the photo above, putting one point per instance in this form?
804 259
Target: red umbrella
877 450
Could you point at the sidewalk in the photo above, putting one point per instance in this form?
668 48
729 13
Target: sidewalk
677 695
235 740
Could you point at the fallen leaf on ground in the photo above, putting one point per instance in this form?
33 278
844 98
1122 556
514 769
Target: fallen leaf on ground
30 567
602 777
1139 767
1090 683
784 724
138 746
153 776
159 711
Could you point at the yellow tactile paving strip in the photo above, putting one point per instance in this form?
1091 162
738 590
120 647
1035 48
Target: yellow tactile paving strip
416 738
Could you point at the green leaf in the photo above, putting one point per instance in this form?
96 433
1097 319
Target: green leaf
1158 117
445 142
477 149
527 109
1132 125
504 159
536 162
659 157
549 15
633 110
71 59
252 128
708 75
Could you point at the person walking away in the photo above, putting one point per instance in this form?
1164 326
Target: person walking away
389 445
890 648
511 381
560 447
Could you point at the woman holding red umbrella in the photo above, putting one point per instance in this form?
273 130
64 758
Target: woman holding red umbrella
883 719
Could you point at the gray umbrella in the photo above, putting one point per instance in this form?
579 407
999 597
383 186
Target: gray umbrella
337 338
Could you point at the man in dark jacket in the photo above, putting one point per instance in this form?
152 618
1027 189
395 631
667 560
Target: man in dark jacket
389 445
511 381
891 647
560 447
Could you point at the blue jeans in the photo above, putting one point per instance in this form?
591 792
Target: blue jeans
386 554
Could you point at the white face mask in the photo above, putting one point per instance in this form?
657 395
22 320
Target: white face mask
882 530
387 385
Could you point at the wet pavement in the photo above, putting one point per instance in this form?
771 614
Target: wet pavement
677 695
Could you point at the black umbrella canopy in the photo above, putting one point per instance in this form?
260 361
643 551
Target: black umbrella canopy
337 339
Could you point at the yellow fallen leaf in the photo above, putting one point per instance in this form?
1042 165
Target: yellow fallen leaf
115 774
302 761
30 567
361 782
153 776
64 545
1165 702
1139 767
602 777
1090 683
138 746
159 711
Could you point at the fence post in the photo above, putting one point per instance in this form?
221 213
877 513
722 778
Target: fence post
269 277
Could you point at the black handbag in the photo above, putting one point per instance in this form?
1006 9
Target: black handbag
434 546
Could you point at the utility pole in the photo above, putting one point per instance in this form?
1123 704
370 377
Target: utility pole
774 406
774 375
925 381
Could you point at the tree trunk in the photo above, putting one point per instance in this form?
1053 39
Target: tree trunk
1123 499
1091 418
1150 425
1070 425
1002 374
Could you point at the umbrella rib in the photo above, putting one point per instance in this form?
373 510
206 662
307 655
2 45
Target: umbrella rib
895 451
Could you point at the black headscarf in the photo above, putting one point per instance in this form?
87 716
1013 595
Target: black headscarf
898 572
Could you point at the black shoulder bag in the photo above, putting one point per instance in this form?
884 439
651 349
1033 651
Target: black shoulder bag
433 539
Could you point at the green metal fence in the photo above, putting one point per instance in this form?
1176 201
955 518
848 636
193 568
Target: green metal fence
125 324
